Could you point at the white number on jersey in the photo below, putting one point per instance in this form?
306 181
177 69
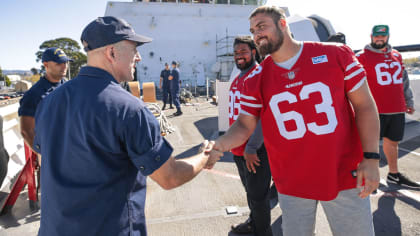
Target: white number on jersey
384 77
234 104
324 107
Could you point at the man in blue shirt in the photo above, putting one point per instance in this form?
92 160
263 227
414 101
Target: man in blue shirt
55 62
99 143
174 78
164 85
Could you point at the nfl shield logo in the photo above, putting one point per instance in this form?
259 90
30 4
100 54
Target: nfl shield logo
291 75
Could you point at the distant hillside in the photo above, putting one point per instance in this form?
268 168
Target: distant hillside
17 72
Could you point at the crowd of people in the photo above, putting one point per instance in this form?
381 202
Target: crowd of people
99 143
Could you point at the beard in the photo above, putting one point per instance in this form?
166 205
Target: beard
272 45
246 64
378 45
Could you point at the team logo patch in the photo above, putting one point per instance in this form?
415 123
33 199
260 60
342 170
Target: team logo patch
291 75
382 29
319 59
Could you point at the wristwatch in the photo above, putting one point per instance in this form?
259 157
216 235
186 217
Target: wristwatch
372 155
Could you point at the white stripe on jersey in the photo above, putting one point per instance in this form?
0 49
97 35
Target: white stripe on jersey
358 85
352 65
250 104
246 113
354 74
248 97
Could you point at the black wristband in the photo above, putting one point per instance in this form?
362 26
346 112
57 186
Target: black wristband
372 155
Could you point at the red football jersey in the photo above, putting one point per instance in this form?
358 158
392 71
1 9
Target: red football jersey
234 106
308 123
385 79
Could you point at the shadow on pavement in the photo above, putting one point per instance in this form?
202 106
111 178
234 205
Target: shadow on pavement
276 228
20 211
207 126
385 220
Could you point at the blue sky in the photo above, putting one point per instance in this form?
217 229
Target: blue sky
25 24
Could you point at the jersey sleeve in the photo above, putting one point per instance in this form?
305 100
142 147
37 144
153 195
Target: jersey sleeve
400 59
354 73
145 146
251 102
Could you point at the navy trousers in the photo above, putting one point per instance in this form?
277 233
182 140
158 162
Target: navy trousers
257 187
166 94
175 99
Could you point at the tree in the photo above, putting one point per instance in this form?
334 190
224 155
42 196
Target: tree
34 71
1 75
8 83
33 79
70 47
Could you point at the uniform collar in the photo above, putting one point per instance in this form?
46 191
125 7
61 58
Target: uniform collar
97 73
46 80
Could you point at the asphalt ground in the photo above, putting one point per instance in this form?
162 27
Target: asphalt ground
199 206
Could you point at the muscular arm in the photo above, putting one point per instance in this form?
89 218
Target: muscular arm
174 173
367 122
160 82
27 126
237 134
367 118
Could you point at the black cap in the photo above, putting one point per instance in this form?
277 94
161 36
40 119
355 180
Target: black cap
173 62
108 30
56 55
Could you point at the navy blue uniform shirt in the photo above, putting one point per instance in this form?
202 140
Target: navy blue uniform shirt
175 80
165 81
34 95
98 144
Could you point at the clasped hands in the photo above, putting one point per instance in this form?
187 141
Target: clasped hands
211 150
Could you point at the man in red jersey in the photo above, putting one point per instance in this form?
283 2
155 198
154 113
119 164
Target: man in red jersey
251 157
320 127
390 88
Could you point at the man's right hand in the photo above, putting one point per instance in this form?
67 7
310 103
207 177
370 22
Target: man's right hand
214 154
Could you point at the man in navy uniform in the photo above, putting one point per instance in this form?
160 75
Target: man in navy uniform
99 143
175 87
164 85
55 62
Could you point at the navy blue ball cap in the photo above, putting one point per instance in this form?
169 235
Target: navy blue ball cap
109 30
56 55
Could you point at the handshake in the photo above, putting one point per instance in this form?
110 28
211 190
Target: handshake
211 151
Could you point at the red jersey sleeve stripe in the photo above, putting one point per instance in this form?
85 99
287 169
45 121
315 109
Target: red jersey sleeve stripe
352 65
248 97
358 85
245 113
360 70
250 104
